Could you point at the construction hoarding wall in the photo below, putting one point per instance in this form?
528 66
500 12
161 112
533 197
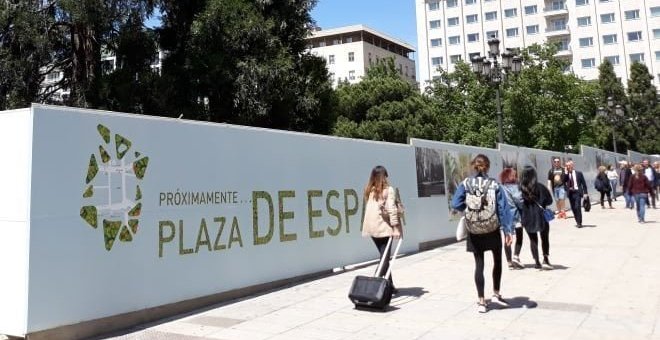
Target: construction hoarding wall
105 213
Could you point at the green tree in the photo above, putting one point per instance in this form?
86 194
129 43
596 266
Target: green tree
643 112
546 107
609 87
384 107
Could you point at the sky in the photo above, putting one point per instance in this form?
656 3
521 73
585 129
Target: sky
396 18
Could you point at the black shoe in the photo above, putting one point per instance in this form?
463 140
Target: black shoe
538 266
579 226
395 291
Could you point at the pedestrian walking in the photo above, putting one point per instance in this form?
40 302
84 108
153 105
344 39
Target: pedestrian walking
557 186
640 187
624 179
536 198
509 181
650 174
486 212
381 216
613 177
603 186
577 190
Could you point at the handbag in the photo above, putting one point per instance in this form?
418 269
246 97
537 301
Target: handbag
548 215
586 203
461 230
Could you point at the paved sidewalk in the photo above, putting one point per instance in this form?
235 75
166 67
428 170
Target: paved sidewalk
605 286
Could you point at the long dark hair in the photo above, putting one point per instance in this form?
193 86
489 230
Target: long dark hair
528 183
377 183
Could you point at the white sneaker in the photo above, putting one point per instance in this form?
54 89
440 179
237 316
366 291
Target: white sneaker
481 308
499 300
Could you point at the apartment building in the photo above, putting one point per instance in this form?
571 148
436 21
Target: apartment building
350 50
585 31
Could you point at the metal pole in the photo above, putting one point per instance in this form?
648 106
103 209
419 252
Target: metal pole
614 138
500 134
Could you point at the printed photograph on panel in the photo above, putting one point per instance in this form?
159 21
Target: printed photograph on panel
457 168
430 172
510 160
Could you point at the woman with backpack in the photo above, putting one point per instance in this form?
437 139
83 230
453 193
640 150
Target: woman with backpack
602 185
536 197
486 211
509 181
381 218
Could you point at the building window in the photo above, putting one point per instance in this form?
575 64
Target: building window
657 55
562 45
492 34
609 39
351 56
632 15
607 18
586 42
321 43
452 3
588 63
533 29
637 58
473 37
452 21
557 5
491 16
406 70
434 6
471 19
331 59
581 2
655 11
435 61
351 75
470 2
400 69
53 76
512 32
455 40
605 0
348 40
336 41
613 59
473 55
656 33
635 36
511 12
584 21
529 10
455 58
436 42
434 24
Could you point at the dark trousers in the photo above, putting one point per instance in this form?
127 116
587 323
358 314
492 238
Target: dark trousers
479 271
651 201
545 243
381 244
575 200
602 198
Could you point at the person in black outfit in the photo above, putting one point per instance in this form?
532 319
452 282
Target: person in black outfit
602 185
577 189
624 180
536 197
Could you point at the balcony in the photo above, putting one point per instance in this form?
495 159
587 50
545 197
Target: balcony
551 11
557 31
564 51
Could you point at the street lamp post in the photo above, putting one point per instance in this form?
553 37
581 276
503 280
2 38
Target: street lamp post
612 114
494 72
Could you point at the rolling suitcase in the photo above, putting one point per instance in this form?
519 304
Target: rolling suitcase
373 291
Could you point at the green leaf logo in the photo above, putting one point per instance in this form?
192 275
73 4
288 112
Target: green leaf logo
111 191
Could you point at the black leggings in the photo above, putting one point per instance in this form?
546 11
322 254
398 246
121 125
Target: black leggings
381 244
602 198
519 242
545 243
479 271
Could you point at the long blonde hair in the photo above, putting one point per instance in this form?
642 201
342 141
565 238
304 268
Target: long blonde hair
377 183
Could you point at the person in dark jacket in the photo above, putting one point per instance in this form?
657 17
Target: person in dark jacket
624 180
577 190
640 187
536 197
602 185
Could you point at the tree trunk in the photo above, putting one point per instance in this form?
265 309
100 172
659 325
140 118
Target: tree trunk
86 65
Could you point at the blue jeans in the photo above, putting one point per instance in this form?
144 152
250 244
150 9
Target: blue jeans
640 200
629 199
613 183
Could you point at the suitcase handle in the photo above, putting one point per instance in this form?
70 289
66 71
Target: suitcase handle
387 251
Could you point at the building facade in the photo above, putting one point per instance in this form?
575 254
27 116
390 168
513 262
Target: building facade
585 31
350 50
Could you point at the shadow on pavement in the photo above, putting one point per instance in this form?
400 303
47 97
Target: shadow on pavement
554 266
515 302
411 291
